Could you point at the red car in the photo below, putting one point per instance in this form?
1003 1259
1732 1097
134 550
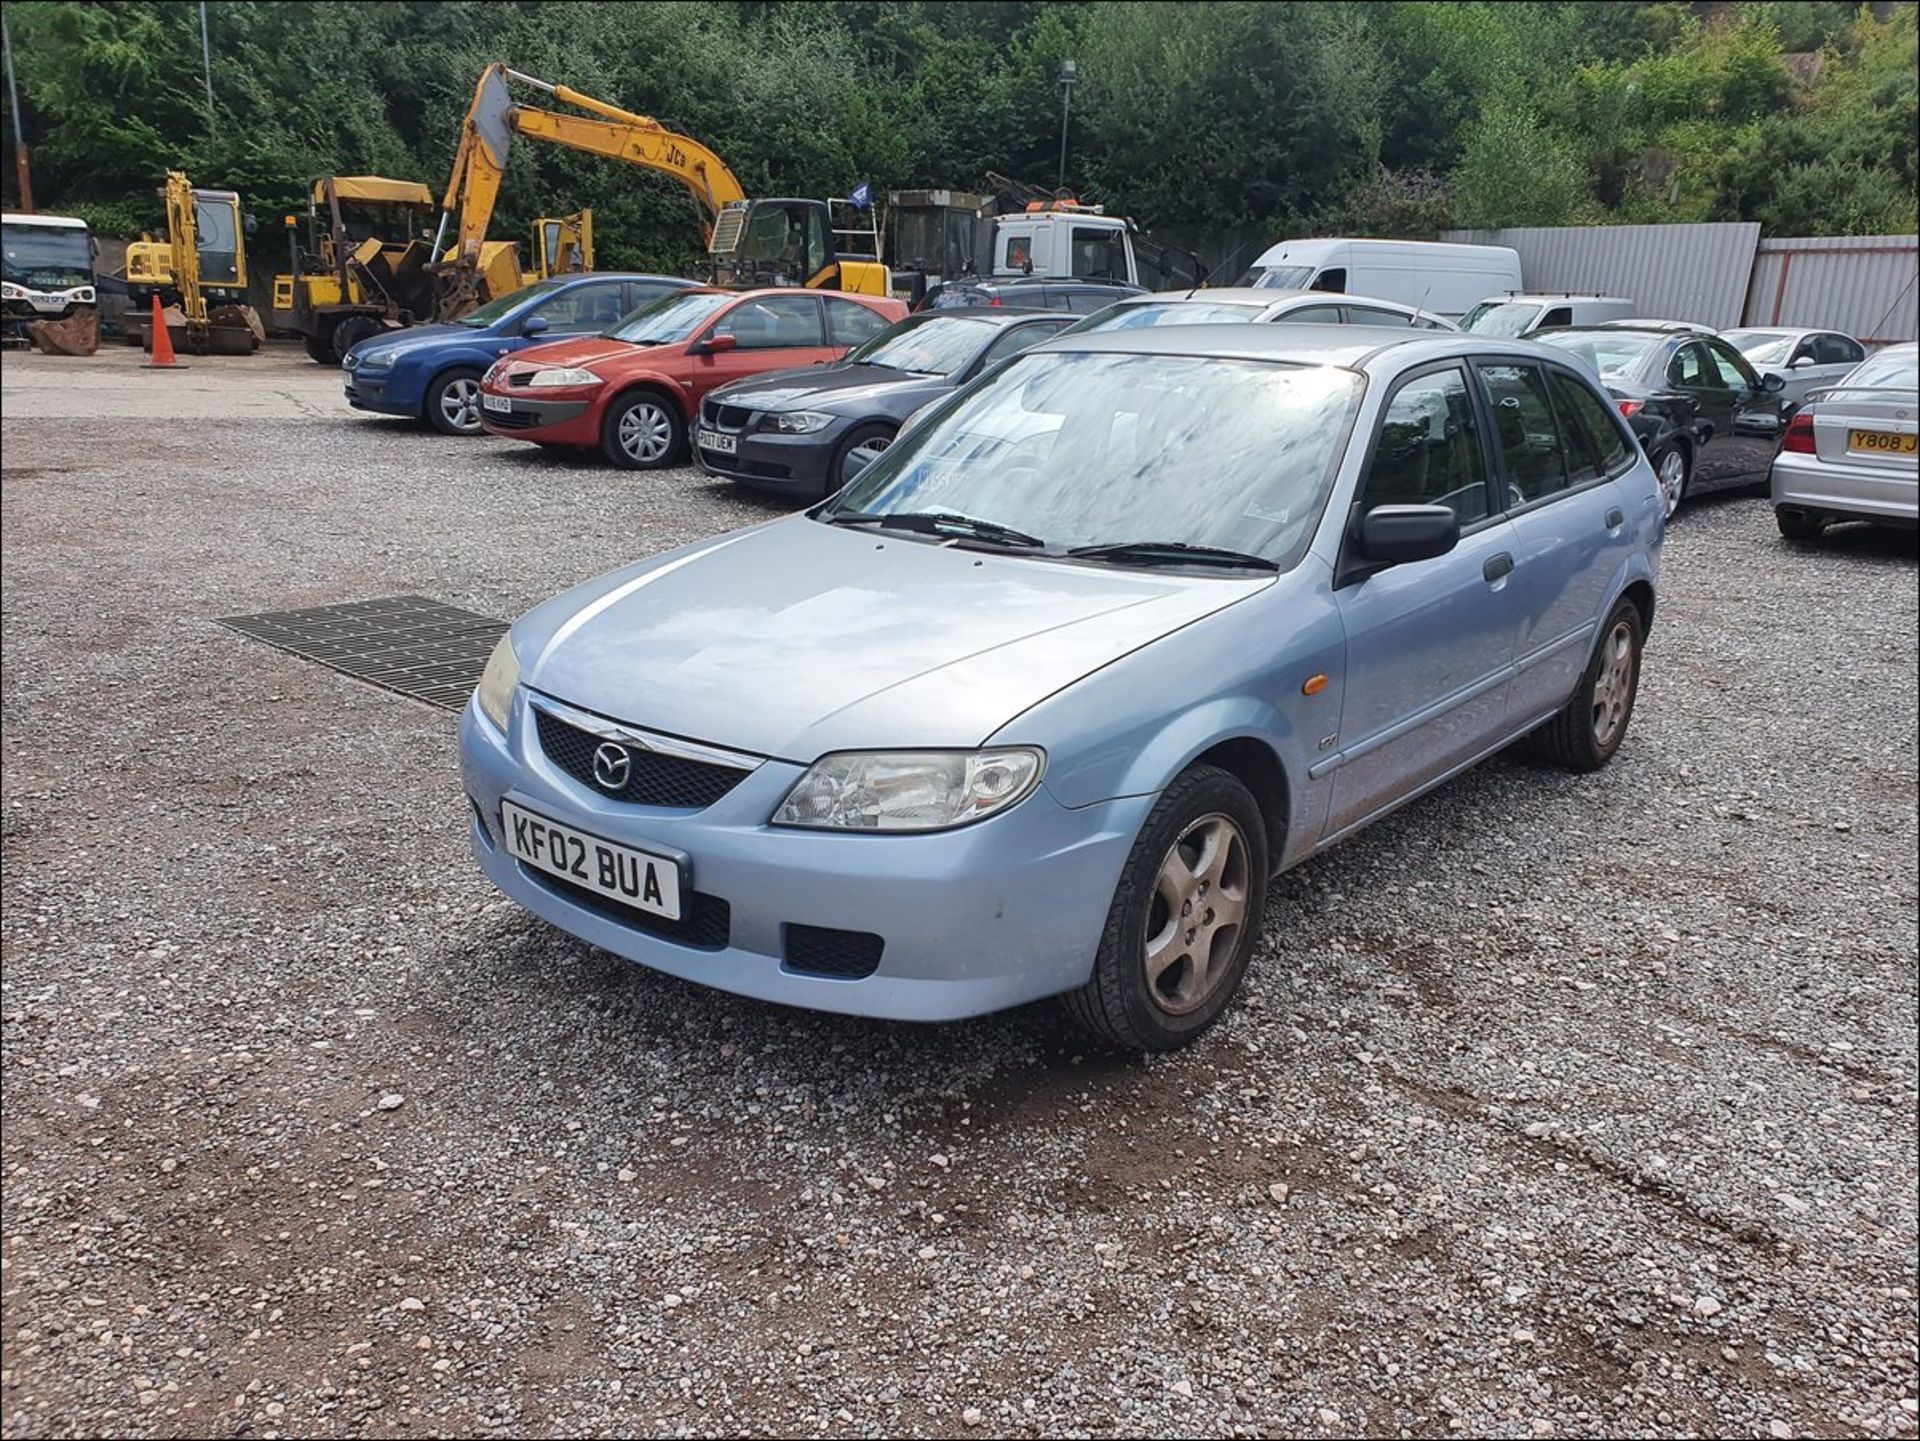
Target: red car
631 391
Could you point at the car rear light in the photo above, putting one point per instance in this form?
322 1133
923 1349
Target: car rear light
993 300
1631 408
1799 435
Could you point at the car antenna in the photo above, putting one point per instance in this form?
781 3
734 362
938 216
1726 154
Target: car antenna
1422 305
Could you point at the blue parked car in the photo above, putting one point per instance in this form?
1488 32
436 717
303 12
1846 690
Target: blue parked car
432 372
1038 703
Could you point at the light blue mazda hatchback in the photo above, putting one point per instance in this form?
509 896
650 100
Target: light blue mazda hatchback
1038 704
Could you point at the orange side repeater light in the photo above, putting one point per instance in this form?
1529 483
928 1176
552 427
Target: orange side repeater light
1315 684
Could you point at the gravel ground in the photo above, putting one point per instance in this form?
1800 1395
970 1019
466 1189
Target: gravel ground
1555 1106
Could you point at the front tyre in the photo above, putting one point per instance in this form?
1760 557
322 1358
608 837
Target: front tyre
1184 918
643 431
1586 733
453 402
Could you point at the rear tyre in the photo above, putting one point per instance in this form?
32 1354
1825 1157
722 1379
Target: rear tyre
320 348
1587 732
874 437
453 402
351 331
643 431
1799 527
1184 918
1674 470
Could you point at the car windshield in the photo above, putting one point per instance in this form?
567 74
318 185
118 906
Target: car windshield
1278 277
1503 317
1165 312
1761 347
495 309
671 318
1895 369
926 344
1611 353
46 257
1081 449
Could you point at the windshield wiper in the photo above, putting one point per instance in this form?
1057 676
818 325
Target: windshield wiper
935 522
1171 552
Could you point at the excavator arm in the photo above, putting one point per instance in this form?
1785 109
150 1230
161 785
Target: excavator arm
494 119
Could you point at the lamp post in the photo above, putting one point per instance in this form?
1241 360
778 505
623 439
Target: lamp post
1069 77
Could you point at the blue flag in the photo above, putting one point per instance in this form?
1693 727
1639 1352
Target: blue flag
862 196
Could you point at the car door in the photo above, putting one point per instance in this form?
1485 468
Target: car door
580 309
770 332
1756 412
1429 643
1692 374
1558 451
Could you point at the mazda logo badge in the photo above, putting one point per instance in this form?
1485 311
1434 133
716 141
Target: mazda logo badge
611 766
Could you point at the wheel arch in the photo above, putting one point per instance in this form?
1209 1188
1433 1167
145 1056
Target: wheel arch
1256 765
439 372
679 395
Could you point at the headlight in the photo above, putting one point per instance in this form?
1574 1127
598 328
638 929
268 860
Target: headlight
493 372
908 790
801 422
495 691
85 295
10 291
563 375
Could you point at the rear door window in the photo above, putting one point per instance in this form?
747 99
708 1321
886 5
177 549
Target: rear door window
1693 369
852 322
1429 451
1526 431
1367 315
1837 350
1580 408
1313 315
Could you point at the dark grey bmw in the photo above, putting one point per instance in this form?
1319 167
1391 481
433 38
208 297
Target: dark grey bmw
791 431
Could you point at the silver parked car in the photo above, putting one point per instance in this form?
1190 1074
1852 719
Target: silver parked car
1805 360
1037 704
1234 305
1853 453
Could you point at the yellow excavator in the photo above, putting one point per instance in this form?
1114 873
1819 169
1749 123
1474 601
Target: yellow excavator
749 242
199 272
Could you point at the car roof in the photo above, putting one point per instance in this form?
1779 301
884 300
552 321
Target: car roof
1351 346
573 276
1001 315
1225 294
1658 327
1547 295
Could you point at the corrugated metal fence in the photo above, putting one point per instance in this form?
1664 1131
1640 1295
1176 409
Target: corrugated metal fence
1674 272
1865 285
1726 275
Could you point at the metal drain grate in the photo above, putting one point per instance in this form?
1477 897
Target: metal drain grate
406 643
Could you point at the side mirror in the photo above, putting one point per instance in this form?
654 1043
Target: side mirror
535 325
1397 534
1773 382
1800 362
858 459
716 344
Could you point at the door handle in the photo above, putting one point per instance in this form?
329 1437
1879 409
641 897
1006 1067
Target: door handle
1614 519
1497 567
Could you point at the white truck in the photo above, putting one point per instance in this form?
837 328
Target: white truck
48 269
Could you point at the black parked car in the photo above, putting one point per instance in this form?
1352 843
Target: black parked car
1035 292
793 430
1707 418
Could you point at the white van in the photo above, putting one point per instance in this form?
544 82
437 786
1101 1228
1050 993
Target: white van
1445 279
1517 315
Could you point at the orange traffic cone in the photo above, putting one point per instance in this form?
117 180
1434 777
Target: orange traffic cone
162 344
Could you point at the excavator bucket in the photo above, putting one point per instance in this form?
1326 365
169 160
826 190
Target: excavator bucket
231 330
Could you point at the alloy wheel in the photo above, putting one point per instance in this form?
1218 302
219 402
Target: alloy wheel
1673 480
1613 687
645 432
460 404
1195 918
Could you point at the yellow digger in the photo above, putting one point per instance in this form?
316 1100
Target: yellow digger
199 272
364 264
749 242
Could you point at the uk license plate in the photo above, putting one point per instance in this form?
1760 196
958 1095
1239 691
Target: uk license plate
1881 442
632 877
719 444
498 403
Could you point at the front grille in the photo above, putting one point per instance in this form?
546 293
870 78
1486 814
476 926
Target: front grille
510 419
725 417
652 779
705 925
521 377
823 951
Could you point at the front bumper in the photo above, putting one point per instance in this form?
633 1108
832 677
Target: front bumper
771 459
375 393
1838 489
972 920
565 420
